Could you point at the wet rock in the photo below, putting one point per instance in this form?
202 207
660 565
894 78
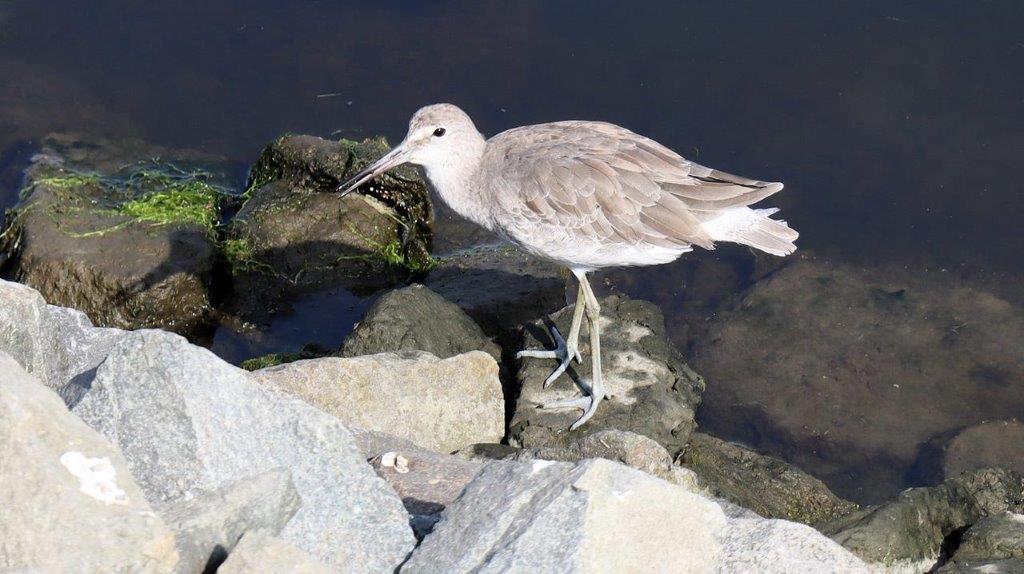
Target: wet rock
54 344
996 537
652 391
207 527
296 234
768 486
600 516
995 444
499 286
415 318
440 404
846 372
258 553
69 502
132 247
910 530
190 423
625 447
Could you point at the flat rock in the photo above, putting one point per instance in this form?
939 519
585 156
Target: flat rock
996 537
628 448
70 239
441 404
207 527
846 372
994 444
652 391
417 319
190 423
601 516
69 502
295 235
499 286
54 344
259 553
768 486
910 530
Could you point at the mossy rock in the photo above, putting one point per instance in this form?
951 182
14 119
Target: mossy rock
295 234
132 246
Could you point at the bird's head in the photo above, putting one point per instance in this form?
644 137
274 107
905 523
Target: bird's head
440 136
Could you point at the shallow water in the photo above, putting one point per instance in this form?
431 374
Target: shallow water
897 127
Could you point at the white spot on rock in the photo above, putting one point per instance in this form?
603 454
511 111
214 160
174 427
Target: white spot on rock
396 461
539 465
97 477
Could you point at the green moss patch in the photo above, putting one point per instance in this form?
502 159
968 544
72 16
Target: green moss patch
190 201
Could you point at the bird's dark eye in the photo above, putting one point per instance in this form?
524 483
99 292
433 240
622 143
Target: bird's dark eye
438 132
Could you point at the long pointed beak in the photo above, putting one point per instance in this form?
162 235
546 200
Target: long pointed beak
389 160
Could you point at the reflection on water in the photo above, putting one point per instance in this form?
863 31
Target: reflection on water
896 128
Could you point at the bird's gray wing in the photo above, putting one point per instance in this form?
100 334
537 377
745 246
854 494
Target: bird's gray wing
600 181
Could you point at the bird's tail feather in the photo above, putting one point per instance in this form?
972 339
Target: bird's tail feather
753 227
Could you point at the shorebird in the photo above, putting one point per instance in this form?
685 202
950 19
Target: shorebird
586 195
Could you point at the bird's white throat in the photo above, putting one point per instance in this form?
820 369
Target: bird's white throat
455 181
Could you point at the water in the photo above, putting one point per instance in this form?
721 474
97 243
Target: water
897 127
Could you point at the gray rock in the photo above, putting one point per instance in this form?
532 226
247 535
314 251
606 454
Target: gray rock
55 344
846 372
912 528
601 516
79 238
295 235
69 502
499 286
994 444
764 484
652 391
440 404
259 553
207 527
983 567
417 319
188 423
996 537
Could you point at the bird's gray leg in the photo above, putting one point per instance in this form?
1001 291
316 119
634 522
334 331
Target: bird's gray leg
595 391
565 351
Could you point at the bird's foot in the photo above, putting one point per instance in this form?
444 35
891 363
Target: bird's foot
587 403
562 352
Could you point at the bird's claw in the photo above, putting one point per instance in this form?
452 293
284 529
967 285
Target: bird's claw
587 403
561 352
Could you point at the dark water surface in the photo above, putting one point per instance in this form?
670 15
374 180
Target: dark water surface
898 127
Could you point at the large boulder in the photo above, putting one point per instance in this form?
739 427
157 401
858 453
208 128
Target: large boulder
68 501
847 372
600 516
55 344
259 553
996 537
295 234
768 486
190 423
440 404
417 319
207 527
499 286
132 247
998 443
651 390
911 529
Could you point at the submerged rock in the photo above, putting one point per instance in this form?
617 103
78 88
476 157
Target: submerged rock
999 443
499 286
417 319
768 486
295 234
259 553
846 372
600 516
69 502
652 392
912 528
207 527
190 423
440 404
132 247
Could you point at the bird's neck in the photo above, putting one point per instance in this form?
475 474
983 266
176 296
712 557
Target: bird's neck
456 181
